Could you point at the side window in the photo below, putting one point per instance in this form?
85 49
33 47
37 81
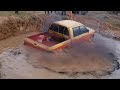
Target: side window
76 31
79 30
83 29
54 27
61 29
66 31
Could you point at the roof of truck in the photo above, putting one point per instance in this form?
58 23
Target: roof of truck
68 23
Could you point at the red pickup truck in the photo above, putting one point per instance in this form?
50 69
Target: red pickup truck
60 35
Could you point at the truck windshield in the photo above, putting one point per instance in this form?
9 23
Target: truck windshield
79 30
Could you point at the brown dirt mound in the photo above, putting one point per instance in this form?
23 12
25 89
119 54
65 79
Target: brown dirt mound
16 25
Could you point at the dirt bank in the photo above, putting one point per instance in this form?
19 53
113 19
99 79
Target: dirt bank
14 25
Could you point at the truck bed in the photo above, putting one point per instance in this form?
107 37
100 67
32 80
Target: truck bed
45 42
51 45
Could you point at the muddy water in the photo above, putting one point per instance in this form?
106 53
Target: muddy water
97 57
108 46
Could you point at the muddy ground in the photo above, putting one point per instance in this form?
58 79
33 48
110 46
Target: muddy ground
79 62
95 59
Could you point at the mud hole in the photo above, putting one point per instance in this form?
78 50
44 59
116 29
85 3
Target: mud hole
87 58
98 58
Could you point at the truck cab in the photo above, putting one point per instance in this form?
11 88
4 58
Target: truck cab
68 29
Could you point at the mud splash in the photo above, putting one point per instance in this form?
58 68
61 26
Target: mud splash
96 58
